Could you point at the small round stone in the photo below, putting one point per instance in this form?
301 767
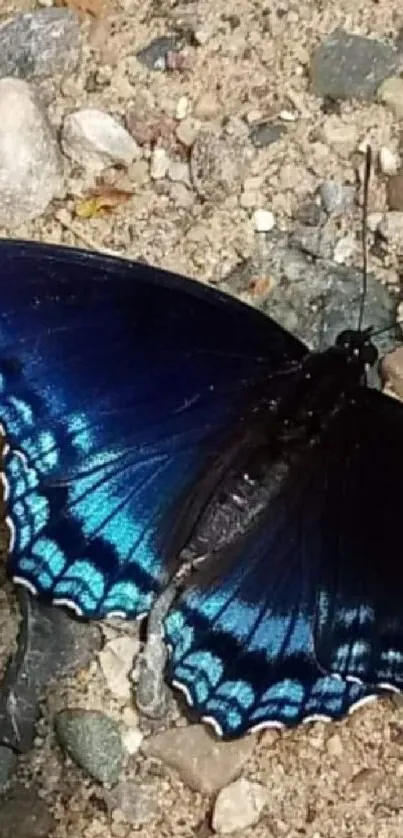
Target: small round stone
263 221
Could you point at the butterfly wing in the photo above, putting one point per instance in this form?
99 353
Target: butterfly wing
116 381
242 645
359 614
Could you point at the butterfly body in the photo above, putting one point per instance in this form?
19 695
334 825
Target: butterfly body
147 418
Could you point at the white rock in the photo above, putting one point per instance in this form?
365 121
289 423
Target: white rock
178 172
159 164
95 139
263 221
389 161
116 660
373 221
238 806
132 739
391 228
31 172
391 94
344 249
182 108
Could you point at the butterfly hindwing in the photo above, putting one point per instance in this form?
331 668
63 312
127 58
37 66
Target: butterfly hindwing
359 615
116 382
242 645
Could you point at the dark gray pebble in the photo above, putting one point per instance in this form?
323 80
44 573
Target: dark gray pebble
310 214
93 741
8 764
24 815
154 55
40 43
266 133
347 66
50 644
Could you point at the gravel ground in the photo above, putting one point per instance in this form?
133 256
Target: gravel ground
229 73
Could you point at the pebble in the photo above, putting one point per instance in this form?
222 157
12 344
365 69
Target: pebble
178 172
93 741
239 806
218 162
392 370
394 192
342 137
160 163
347 66
373 221
334 746
30 162
181 195
24 814
204 763
263 221
40 43
134 800
391 94
132 739
266 133
336 198
204 32
391 228
310 214
94 139
182 108
186 132
344 249
154 56
208 106
8 765
116 661
389 161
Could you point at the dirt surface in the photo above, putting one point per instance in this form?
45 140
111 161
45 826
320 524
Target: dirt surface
338 780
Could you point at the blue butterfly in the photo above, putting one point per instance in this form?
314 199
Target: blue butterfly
151 421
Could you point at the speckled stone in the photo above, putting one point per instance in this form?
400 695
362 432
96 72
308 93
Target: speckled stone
347 66
93 741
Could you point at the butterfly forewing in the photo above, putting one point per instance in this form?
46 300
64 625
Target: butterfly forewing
117 381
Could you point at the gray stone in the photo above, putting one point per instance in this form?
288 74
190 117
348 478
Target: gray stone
93 741
219 162
204 763
24 814
154 55
50 644
30 162
8 764
336 198
40 43
135 800
265 133
347 66
314 298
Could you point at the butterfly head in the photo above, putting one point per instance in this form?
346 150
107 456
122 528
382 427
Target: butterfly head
357 345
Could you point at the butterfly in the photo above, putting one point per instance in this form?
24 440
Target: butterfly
150 422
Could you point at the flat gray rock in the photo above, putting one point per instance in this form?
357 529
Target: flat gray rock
40 43
347 66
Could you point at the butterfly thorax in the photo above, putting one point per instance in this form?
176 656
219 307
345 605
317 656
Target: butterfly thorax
278 433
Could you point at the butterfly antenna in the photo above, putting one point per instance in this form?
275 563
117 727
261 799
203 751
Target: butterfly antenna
364 234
